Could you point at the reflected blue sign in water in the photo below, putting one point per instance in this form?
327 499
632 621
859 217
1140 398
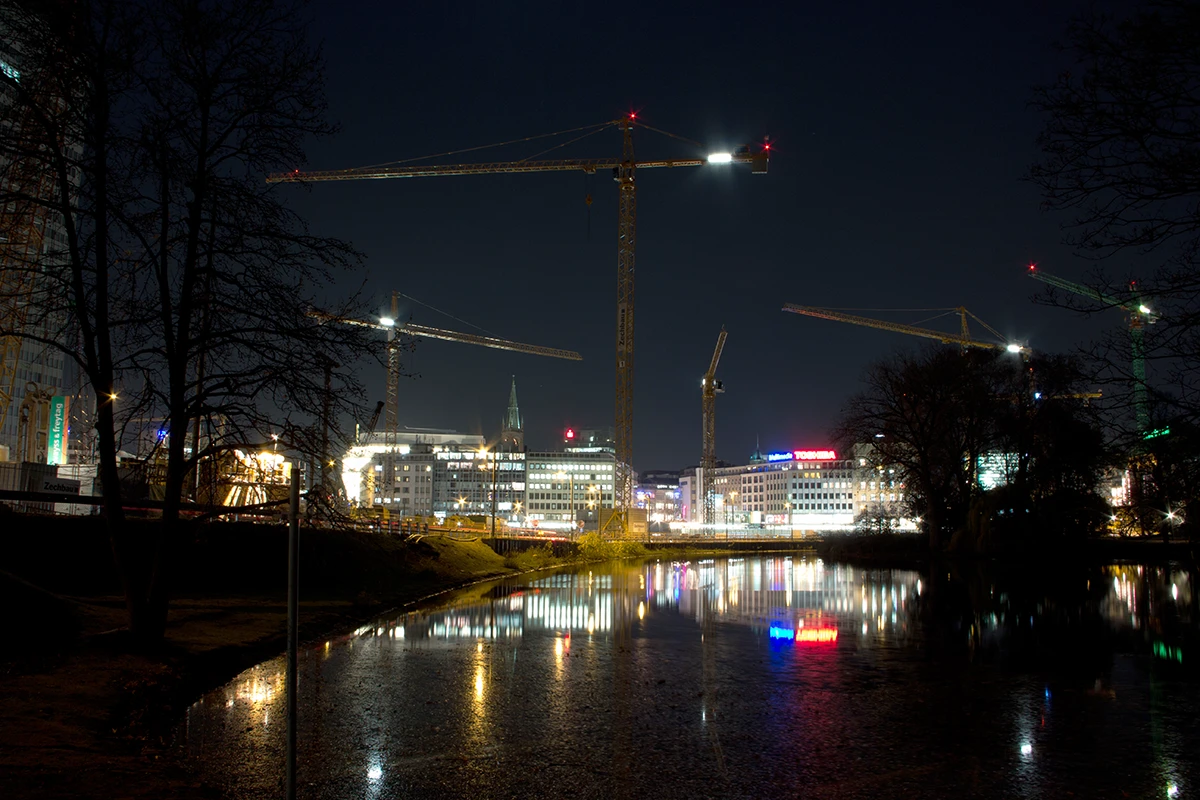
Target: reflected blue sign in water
687 678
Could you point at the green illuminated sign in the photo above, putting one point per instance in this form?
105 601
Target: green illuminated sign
56 446
1156 433
1169 652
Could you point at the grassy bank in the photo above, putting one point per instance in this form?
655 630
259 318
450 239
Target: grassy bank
83 714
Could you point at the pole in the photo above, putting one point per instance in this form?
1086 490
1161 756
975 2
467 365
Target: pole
574 527
292 634
494 490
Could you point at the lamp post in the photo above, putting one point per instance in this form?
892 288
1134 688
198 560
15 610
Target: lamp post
733 507
791 529
483 452
595 489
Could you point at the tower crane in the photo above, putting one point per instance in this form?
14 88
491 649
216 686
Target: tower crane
962 339
709 388
394 329
1139 316
624 171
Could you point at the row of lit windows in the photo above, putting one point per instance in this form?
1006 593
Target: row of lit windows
572 467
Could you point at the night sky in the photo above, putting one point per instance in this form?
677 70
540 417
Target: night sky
900 135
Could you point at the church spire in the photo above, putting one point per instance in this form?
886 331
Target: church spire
511 435
512 420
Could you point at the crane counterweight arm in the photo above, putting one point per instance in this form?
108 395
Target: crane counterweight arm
946 338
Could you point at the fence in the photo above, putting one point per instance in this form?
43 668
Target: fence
59 481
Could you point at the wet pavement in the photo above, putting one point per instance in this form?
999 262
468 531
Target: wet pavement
740 677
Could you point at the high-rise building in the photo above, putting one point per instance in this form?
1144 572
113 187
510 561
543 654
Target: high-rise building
32 243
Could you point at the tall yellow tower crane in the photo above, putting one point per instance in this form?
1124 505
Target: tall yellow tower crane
395 328
962 339
709 388
624 170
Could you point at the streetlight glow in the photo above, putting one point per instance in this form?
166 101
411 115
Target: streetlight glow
1014 348
387 322
720 158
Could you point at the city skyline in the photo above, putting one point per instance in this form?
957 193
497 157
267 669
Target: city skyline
870 202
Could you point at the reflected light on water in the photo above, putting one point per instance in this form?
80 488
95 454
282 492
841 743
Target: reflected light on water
712 633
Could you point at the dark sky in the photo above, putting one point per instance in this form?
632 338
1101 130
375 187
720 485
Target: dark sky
901 133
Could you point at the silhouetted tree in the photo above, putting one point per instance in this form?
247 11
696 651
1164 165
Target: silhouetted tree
188 277
1120 156
930 417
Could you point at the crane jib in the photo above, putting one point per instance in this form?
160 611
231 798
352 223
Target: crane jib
759 163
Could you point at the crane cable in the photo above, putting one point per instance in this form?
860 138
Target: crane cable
486 146
448 314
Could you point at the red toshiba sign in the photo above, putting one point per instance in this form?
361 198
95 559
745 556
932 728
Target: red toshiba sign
814 455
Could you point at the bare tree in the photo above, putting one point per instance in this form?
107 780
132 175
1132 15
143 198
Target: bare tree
190 280
1122 157
929 420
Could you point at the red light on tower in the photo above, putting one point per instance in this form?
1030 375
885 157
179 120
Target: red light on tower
570 434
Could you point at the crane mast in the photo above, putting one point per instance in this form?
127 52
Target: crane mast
618 523
1139 315
709 388
624 171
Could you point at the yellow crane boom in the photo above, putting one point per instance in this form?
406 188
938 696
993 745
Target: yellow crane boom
624 171
709 388
962 339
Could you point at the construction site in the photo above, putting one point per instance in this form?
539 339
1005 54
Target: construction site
391 473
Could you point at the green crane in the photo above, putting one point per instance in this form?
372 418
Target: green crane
1139 316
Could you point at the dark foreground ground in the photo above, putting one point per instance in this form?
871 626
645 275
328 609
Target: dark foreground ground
83 714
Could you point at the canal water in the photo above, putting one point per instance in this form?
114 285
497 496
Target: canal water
740 677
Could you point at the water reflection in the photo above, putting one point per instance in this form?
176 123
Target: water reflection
961 680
